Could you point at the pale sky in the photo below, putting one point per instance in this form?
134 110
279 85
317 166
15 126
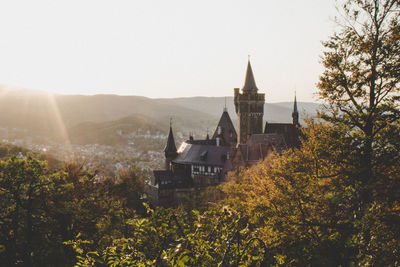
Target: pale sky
160 48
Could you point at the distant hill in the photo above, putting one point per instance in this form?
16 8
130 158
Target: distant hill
99 117
112 132
213 106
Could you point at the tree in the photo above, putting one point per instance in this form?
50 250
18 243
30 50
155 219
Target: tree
361 84
166 237
335 201
41 209
23 183
129 188
361 81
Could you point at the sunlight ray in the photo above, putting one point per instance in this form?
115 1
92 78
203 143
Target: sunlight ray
60 125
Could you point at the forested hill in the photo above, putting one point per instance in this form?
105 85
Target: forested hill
53 115
273 112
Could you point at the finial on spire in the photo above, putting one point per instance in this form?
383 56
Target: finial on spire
248 57
225 109
170 122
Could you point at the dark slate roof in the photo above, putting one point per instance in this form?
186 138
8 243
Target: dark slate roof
250 83
260 145
201 142
272 139
202 154
170 147
228 132
253 153
289 131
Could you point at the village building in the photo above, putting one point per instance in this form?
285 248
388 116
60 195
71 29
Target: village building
198 164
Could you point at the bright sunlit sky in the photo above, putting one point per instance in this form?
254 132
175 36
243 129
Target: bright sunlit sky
164 48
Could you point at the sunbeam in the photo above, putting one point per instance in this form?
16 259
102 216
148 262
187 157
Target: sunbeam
61 128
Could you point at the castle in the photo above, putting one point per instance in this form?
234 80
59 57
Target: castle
198 164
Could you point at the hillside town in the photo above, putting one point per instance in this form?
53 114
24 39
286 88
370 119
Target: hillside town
108 158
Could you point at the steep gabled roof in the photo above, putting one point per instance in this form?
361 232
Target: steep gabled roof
228 132
250 83
289 131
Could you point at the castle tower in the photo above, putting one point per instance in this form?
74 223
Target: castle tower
295 113
170 150
249 106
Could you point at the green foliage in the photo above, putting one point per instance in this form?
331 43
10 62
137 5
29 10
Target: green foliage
178 238
9 150
23 183
129 187
42 209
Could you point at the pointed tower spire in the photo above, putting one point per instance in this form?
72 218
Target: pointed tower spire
295 113
170 151
170 148
249 83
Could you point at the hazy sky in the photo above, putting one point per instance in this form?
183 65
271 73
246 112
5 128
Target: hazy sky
164 48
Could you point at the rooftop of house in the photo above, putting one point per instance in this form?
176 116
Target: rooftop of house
201 154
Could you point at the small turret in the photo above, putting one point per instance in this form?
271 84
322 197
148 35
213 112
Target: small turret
295 113
170 150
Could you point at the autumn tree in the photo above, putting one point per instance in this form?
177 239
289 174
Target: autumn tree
335 201
361 81
361 84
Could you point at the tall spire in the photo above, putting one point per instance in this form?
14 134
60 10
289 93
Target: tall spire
250 83
295 113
